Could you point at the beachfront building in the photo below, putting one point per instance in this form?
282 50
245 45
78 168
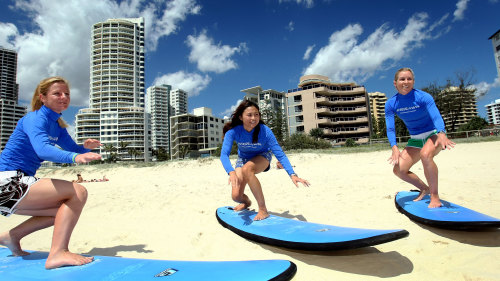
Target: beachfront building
467 112
159 111
179 101
195 135
10 110
377 105
340 109
493 112
116 114
495 40
266 99
377 108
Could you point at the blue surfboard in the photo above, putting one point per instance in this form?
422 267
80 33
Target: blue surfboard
450 215
32 267
301 235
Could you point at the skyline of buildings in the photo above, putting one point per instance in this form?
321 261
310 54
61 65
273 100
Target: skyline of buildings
123 114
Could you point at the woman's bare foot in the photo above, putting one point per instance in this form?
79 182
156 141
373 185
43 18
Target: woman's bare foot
13 244
262 214
435 202
66 257
421 194
242 206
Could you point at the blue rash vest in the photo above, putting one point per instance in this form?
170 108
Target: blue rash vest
33 141
418 111
247 150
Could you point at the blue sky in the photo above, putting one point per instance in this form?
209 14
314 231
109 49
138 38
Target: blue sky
214 49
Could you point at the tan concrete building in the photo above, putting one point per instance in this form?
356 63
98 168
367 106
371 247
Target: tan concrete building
467 112
340 109
377 105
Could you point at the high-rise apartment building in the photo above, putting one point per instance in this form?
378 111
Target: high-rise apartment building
179 101
340 109
116 114
194 135
377 109
495 40
377 105
159 112
10 111
493 112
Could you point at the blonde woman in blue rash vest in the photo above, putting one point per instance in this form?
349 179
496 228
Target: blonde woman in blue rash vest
421 116
49 202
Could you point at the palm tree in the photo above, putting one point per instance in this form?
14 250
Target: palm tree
109 148
122 146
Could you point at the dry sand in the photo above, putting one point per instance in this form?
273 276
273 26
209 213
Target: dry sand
167 211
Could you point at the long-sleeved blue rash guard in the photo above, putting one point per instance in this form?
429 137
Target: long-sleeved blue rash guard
33 140
247 150
418 111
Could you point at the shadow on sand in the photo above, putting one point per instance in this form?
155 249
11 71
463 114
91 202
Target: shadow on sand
113 251
363 261
488 237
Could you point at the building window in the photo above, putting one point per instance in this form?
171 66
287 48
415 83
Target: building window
297 98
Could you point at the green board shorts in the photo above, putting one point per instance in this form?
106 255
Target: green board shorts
419 140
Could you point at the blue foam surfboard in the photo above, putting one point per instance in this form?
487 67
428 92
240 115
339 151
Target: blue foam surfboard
32 267
450 215
302 235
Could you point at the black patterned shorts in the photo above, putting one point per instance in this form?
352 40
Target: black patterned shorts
14 185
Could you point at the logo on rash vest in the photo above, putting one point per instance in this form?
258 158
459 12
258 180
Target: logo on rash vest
53 140
408 109
249 145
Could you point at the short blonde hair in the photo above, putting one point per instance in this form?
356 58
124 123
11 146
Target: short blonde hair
403 69
43 88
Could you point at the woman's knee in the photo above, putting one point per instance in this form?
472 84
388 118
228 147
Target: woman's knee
426 155
80 192
248 171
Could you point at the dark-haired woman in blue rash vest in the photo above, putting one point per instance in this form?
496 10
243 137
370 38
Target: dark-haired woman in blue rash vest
49 202
428 137
256 144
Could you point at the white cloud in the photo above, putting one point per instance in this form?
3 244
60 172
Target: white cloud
8 32
459 12
345 59
290 27
482 88
228 112
307 54
192 83
211 57
307 3
59 41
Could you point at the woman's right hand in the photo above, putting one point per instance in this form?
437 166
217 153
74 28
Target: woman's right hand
233 179
394 159
87 157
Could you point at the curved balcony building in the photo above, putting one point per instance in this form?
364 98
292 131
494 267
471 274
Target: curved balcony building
340 109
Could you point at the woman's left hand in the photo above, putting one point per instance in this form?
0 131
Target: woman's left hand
444 141
296 180
91 143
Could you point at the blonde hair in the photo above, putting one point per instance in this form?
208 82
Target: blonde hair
42 89
403 69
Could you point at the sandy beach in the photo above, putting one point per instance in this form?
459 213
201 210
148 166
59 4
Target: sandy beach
167 211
